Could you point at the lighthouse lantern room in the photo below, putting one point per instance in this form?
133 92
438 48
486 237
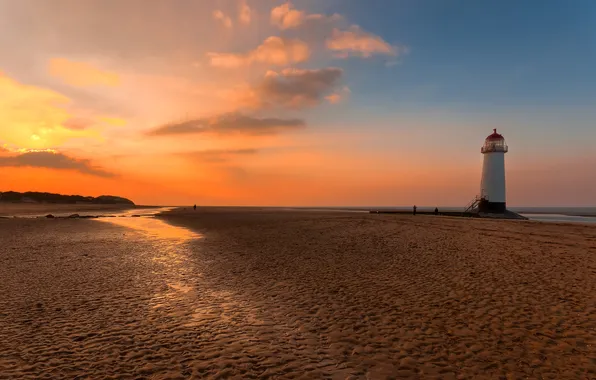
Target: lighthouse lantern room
492 186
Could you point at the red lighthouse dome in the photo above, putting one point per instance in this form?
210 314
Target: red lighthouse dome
495 136
494 143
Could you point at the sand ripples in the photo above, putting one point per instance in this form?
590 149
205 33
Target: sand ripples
297 295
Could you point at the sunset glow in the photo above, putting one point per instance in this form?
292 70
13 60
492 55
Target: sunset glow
255 102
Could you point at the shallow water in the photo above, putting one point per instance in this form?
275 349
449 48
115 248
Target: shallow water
169 249
153 228
559 218
100 212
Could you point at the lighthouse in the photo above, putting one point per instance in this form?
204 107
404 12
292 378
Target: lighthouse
492 185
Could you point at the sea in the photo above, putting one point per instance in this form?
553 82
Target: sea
542 214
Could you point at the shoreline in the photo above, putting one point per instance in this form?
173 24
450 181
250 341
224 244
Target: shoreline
76 211
443 215
16 210
579 211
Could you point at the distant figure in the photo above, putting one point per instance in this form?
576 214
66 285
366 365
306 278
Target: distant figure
194 207
415 209
436 211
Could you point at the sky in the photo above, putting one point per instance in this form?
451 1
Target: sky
303 103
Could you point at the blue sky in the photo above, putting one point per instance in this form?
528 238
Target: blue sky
484 52
528 65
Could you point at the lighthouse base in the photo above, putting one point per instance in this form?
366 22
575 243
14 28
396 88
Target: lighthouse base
491 207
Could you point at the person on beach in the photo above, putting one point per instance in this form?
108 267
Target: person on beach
436 211
194 207
414 210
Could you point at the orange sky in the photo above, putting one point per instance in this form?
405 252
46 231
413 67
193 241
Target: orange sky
237 105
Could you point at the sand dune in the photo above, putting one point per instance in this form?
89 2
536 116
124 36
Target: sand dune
298 295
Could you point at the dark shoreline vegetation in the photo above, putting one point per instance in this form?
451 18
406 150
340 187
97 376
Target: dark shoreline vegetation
39 197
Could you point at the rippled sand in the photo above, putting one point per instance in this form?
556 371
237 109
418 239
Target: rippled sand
296 295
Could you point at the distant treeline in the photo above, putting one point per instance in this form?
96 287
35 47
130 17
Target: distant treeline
31 196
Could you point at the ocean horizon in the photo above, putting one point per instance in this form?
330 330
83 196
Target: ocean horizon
544 214
572 211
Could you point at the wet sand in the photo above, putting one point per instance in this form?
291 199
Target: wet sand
261 294
13 209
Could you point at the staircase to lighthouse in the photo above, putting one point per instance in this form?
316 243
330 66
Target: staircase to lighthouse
470 207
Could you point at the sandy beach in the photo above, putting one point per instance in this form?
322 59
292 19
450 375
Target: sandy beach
230 293
24 209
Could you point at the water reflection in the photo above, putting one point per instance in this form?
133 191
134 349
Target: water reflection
141 211
170 253
183 294
154 228
560 218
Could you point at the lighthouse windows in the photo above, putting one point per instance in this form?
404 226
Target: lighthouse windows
494 146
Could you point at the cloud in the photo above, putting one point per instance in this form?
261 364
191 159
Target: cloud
338 96
81 123
81 74
34 117
245 13
287 89
353 41
294 88
113 121
53 160
228 61
219 155
273 51
357 42
77 124
231 123
333 98
223 18
286 17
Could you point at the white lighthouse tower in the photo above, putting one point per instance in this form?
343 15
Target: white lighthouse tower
492 186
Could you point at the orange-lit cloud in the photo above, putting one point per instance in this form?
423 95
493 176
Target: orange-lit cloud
223 18
333 98
52 160
77 124
295 88
81 74
289 89
338 96
229 124
355 41
245 13
274 50
286 17
115 121
34 117
81 123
